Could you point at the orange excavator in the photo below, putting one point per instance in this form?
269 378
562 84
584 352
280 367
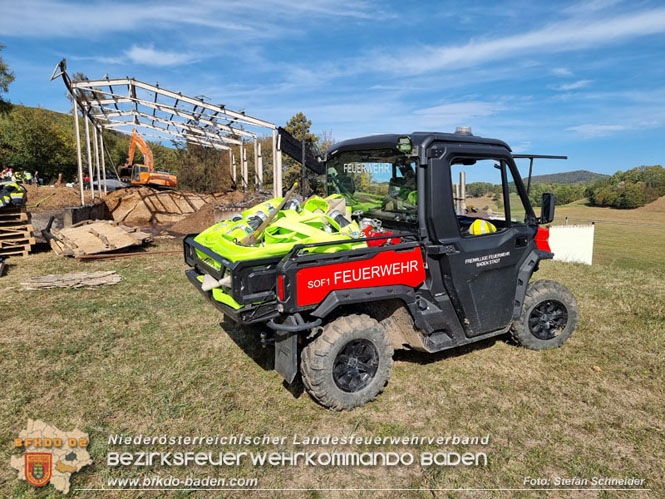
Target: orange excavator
144 174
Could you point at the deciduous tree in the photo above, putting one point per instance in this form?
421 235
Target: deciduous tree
6 77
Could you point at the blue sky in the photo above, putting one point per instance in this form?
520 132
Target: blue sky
586 79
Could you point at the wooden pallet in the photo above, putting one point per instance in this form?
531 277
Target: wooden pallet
13 215
16 232
23 250
15 226
12 243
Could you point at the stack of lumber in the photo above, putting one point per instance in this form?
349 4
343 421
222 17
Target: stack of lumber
16 231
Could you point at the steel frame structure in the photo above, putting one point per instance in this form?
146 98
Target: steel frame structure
126 103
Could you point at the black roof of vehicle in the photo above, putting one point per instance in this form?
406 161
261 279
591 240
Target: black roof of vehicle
417 138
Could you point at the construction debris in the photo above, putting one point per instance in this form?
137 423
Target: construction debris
125 255
72 280
16 231
91 237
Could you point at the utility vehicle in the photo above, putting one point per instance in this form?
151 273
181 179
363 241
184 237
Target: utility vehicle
337 318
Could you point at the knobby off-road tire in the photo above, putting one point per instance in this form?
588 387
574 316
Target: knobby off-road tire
348 364
549 316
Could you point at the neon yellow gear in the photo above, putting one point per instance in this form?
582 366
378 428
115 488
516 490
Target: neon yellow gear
309 224
479 227
316 203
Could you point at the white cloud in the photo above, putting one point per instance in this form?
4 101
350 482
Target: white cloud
562 72
573 86
457 113
100 59
150 57
563 36
256 18
521 147
589 130
591 6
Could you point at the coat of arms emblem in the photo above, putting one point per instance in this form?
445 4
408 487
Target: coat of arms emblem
38 468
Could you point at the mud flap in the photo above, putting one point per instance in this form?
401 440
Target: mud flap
286 355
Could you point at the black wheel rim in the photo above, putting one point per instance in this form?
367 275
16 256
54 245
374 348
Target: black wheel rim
355 365
548 319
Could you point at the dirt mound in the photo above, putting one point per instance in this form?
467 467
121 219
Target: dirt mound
50 197
657 205
196 222
143 205
212 213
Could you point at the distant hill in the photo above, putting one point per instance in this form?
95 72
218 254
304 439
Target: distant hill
575 177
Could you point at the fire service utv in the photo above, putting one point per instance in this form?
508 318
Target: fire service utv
410 268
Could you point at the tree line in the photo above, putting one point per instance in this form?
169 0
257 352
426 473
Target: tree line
563 193
630 189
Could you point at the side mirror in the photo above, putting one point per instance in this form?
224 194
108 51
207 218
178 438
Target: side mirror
547 208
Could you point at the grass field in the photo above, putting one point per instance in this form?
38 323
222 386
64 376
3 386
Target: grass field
624 238
150 356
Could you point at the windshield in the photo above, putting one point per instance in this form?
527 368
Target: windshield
377 183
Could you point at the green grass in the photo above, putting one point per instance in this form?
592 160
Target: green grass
149 355
623 238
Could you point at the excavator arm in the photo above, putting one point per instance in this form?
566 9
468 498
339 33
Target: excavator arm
138 173
137 140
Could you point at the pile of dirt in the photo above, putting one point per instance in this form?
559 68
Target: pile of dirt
146 206
51 197
196 222
212 213
658 205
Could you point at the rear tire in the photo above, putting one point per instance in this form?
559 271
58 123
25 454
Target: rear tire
348 364
549 316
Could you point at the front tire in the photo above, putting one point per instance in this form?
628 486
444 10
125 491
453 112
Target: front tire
348 364
548 318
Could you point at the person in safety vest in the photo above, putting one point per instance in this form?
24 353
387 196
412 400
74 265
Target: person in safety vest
5 200
479 227
11 193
